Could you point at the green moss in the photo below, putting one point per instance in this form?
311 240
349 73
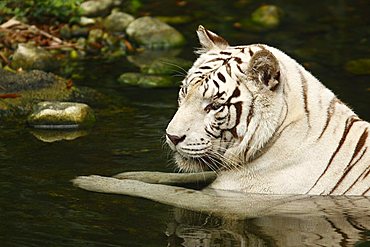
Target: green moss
359 66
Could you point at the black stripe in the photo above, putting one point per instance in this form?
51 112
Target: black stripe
305 100
250 52
358 178
225 53
363 194
206 86
360 144
329 114
215 60
221 77
238 108
220 118
368 172
235 94
228 69
211 134
216 84
350 121
240 69
238 60
205 67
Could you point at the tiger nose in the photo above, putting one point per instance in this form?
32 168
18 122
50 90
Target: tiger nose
175 139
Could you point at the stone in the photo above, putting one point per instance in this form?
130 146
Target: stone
78 31
118 21
86 21
61 115
267 16
153 33
21 91
94 8
95 35
359 66
147 81
28 57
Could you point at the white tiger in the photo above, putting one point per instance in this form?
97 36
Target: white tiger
263 123
266 125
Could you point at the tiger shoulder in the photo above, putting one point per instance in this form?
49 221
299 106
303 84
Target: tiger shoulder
265 124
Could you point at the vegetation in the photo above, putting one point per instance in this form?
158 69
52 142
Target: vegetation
41 10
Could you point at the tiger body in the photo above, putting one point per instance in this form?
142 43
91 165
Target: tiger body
266 125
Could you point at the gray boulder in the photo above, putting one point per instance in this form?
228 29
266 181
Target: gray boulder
118 21
153 33
94 8
61 115
28 57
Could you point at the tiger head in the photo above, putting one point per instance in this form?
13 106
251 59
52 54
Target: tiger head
229 105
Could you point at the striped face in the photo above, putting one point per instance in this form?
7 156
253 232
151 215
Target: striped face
217 102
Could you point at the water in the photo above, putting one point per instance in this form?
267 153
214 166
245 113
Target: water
40 207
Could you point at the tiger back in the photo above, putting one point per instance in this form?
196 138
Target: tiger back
264 124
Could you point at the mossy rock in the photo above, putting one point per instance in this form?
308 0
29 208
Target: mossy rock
267 16
61 115
29 57
147 81
152 33
22 90
263 18
118 21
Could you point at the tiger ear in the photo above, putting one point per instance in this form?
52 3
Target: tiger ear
264 68
210 40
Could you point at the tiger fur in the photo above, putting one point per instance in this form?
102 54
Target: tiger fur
266 125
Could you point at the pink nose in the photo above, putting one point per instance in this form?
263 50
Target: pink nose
176 139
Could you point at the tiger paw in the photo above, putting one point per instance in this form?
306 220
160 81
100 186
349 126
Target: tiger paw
95 183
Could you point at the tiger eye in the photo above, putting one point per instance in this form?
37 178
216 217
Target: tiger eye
212 106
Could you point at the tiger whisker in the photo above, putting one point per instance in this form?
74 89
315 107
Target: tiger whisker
175 65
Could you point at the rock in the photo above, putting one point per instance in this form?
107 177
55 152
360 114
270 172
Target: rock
20 91
65 32
28 57
86 21
78 31
153 33
359 66
147 81
95 35
118 21
267 16
94 8
61 115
